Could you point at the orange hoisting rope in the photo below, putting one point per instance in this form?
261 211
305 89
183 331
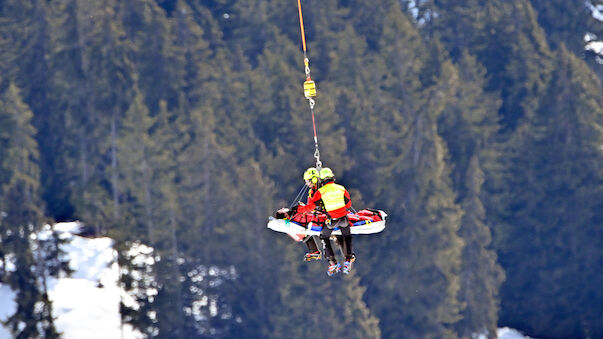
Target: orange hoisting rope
309 86
301 26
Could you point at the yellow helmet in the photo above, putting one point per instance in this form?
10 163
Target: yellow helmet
311 174
326 173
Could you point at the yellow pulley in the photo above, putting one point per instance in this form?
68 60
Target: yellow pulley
309 85
309 88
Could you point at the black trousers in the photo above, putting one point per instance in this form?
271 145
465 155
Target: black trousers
344 225
311 243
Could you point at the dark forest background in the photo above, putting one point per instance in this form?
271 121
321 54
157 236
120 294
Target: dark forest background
477 125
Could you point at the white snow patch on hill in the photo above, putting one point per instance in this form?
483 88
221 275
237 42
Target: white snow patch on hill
86 305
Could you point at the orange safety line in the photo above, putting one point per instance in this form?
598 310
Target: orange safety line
301 25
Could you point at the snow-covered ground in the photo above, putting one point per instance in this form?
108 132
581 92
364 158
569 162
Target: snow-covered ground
509 333
597 10
7 307
86 305
91 292
592 42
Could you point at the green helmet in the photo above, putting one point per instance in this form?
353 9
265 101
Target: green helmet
311 174
326 173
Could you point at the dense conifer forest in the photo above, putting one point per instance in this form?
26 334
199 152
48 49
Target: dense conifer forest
181 125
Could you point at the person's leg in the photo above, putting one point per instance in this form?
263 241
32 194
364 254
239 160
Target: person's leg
346 234
313 252
339 241
347 242
311 243
325 234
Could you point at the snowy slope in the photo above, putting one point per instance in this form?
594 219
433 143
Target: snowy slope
86 305
509 333
7 307
591 42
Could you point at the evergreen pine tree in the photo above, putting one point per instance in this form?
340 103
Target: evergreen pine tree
567 22
257 256
411 177
331 305
572 24
528 68
69 96
460 25
364 15
468 123
26 25
147 27
108 75
28 28
166 146
22 216
147 181
481 276
506 38
195 55
136 262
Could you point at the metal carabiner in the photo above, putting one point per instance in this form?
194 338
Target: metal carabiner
311 102
307 66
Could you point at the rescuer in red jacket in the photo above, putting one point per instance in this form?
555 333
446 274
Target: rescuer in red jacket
335 200
311 177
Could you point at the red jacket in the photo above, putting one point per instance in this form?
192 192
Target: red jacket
335 198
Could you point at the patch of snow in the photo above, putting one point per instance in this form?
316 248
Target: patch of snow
509 333
7 308
87 304
68 227
597 11
591 44
589 38
9 261
93 259
84 310
141 256
595 46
